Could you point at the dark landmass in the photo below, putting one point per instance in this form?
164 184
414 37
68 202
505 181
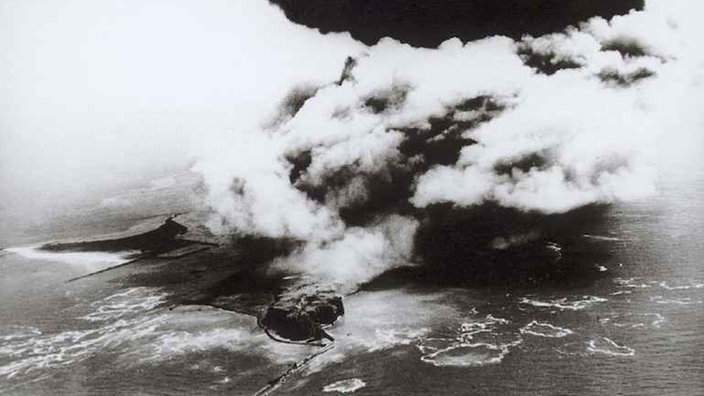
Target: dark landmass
287 311
486 246
482 246
427 23
161 240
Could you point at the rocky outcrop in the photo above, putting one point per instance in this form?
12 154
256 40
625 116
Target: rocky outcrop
301 315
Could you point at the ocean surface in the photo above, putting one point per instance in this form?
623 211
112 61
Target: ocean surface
636 329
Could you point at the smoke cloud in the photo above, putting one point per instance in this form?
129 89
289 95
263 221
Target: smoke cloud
543 124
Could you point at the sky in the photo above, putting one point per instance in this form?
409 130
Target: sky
99 95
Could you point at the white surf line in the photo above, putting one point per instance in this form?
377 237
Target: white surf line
602 238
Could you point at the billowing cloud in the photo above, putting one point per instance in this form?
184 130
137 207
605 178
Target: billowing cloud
544 124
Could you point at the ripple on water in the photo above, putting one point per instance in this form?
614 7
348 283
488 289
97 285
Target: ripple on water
59 350
386 338
675 301
572 303
608 346
433 344
634 320
169 343
30 352
681 285
621 292
469 355
605 238
671 285
345 386
633 283
15 332
128 302
600 345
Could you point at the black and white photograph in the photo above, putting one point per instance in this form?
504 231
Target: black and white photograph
368 197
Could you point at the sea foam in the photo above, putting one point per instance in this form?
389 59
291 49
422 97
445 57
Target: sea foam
607 346
345 386
545 330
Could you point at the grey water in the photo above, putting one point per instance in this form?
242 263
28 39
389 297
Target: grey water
637 329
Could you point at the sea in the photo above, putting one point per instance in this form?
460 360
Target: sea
638 329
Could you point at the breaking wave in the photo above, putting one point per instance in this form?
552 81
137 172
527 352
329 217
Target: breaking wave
565 303
14 332
131 302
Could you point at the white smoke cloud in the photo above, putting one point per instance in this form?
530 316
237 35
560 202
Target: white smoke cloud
586 129
592 126
248 187
357 256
